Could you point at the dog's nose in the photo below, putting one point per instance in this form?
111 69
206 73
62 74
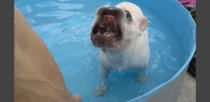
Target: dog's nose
111 10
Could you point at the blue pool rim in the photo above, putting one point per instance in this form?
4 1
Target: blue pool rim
151 92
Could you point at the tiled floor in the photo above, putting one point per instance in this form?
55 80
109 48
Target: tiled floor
188 91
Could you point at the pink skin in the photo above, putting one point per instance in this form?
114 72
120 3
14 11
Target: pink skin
109 24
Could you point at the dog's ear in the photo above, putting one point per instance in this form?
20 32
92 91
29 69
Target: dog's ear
143 22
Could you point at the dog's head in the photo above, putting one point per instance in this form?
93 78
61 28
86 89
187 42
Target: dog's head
117 27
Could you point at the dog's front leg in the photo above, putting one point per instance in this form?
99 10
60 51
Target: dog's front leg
104 73
141 76
101 88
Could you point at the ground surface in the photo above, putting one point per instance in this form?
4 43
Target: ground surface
188 91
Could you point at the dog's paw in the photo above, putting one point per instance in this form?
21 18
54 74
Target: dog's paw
141 78
100 90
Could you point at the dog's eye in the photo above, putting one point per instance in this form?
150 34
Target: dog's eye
128 15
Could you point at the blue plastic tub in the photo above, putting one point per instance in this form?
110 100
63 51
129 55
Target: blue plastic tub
64 26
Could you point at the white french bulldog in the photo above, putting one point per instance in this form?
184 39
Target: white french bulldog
121 34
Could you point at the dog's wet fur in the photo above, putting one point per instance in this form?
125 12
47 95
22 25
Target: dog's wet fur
121 33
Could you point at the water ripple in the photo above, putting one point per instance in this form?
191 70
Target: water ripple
58 14
64 6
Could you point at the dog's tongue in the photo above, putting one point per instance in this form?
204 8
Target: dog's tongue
109 34
109 24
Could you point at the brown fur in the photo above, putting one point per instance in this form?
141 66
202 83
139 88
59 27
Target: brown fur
37 77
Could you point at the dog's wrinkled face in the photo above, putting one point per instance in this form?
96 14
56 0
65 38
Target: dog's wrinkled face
117 27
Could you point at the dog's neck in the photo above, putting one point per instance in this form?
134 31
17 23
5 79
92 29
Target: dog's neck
129 49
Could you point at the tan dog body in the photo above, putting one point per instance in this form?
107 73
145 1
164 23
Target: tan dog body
37 78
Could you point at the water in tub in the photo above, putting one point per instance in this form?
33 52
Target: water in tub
64 26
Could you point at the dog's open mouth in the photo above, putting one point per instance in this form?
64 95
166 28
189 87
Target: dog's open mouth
107 31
